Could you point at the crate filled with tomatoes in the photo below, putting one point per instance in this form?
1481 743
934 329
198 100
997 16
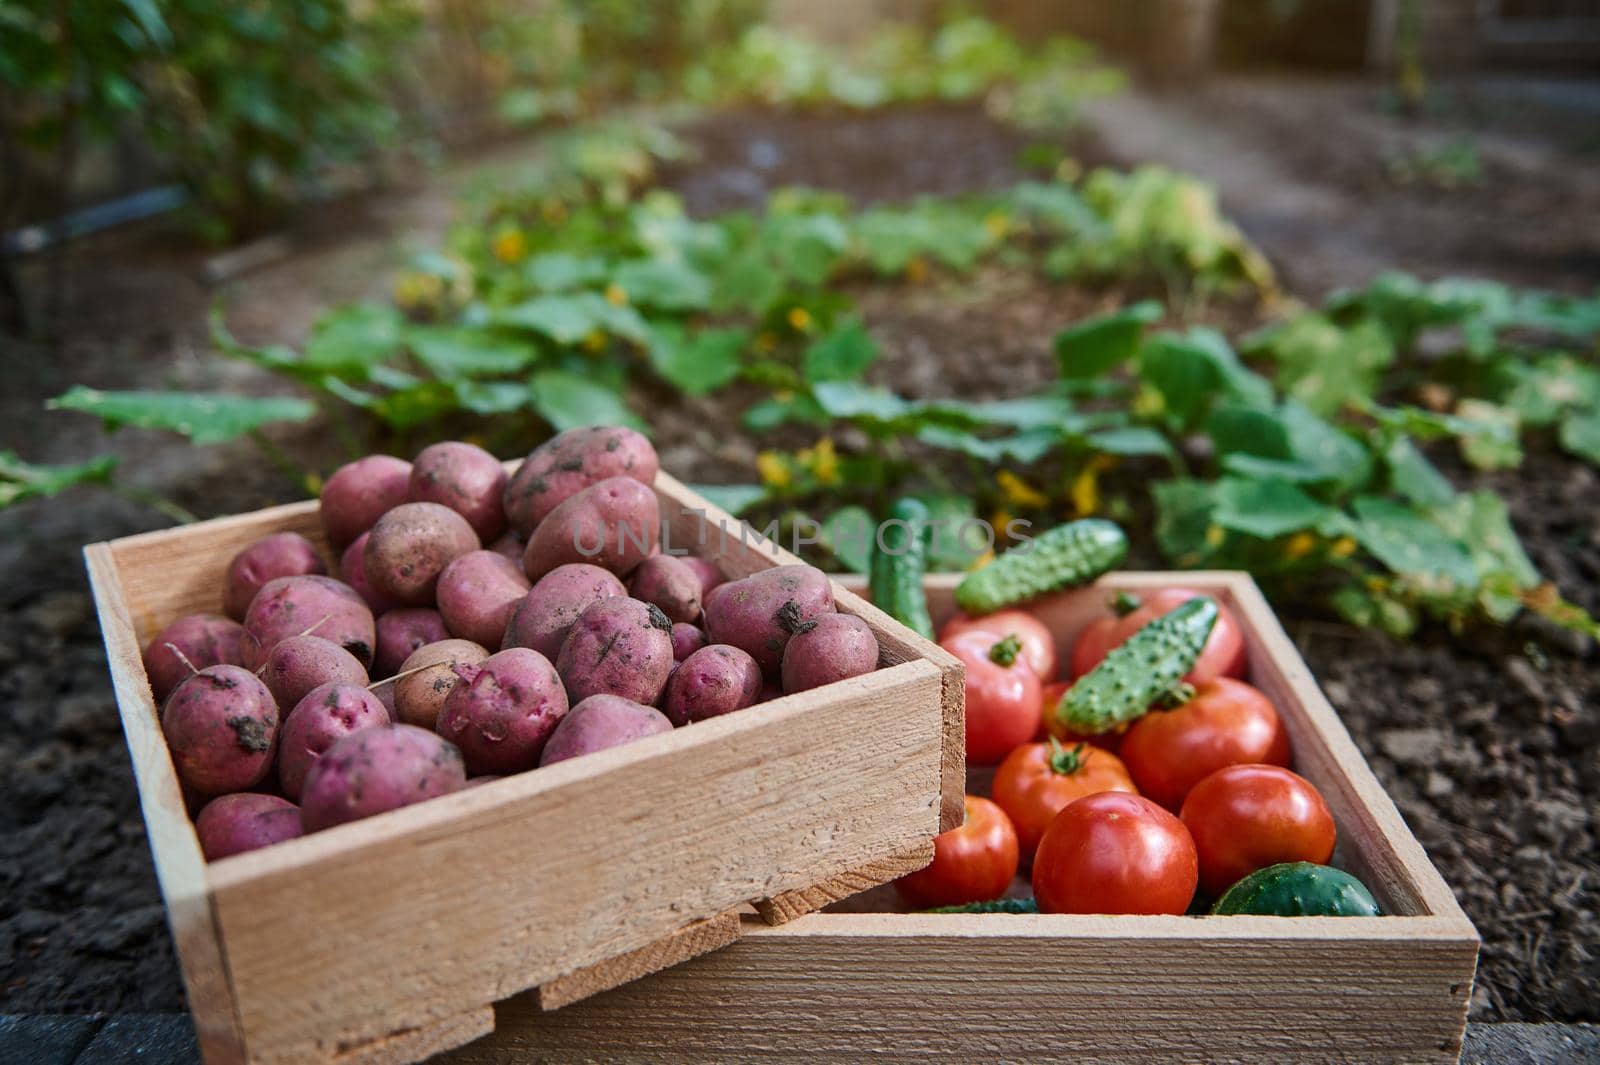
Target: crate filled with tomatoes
1172 851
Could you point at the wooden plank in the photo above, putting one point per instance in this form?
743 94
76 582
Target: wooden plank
424 1041
690 941
780 909
180 867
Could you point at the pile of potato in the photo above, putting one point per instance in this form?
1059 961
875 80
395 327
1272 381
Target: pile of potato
434 662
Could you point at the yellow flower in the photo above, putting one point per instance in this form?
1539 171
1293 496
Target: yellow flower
1299 546
774 470
1215 535
595 342
415 290
1018 492
1343 547
1148 402
799 319
997 224
510 245
982 560
1085 490
766 342
917 270
783 395
823 461
616 295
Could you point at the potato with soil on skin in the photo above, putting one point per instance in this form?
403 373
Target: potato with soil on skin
477 595
326 715
503 711
540 622
221 727
465 478
410 546
686 640
313 606
358 493
283 554
834 647
401 632
617 647
601 722
759 613
569 462
300 663
353 571
710 576
715 680
204 639
376 770
669 583
245 821
419 696
615 525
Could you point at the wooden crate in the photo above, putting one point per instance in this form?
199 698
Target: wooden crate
387 940
887 986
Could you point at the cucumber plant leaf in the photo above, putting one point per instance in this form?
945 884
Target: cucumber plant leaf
1097 345
571 401
203 417
21 480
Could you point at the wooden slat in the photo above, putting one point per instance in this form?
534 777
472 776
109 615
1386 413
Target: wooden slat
424 1041
690 941
780 909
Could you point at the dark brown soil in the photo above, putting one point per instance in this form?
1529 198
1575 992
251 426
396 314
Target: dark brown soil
1490 744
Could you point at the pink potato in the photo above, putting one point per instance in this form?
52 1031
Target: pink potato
669 583
221 727
477 595
503 711
283 554
310 605
759 613
358 493
353 571
834 647
615 525
245 821
204 639
410 546
569 462
617 647
300 663
715 680
400 632
540 622
420 695
601 722
375 770
710 576
327 714
686 640
465 478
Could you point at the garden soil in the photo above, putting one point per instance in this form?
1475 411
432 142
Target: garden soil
1490 745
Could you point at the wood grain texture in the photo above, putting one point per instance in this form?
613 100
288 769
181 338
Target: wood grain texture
416 1044
691 941
783 908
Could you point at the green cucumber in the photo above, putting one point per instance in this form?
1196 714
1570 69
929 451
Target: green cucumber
992 906
1299 889
1069 554
1148 667
897 569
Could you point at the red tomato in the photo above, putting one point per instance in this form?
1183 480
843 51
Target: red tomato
1114 853
1049 699
1037 780
1002 696
1226 723
1223 655
1247 817
973 863
1038 644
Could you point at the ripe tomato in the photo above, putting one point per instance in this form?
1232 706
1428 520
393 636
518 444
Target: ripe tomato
1247 817
1037 779
1049 698
1114 853
1002 695
1038 645
973 863
1227 722
1222 656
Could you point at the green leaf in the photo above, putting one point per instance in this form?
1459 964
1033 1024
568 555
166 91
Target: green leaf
1490 440
848 533
21 480
569 401
561 271
564 319
1293 470
452 352
1414 477
947 548
1025 447
847 399
1130 440
1093 347
1481 521
1190 372
1183 519
664 284
491 397
1326 366
1410 544
1580 434
698 362
734 498
1320 444
1265 508
205 418
351 340
842 355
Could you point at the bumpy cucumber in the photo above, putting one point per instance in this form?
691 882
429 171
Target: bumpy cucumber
1068 554
1299 889
1145 668
896 577
992 906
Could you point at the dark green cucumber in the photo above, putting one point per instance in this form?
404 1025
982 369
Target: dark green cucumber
1145 668
1299 889
896 573
1069 554
992 906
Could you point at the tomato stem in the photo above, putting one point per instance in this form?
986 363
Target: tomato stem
1005 652
1063 761
1175 696
1124 603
